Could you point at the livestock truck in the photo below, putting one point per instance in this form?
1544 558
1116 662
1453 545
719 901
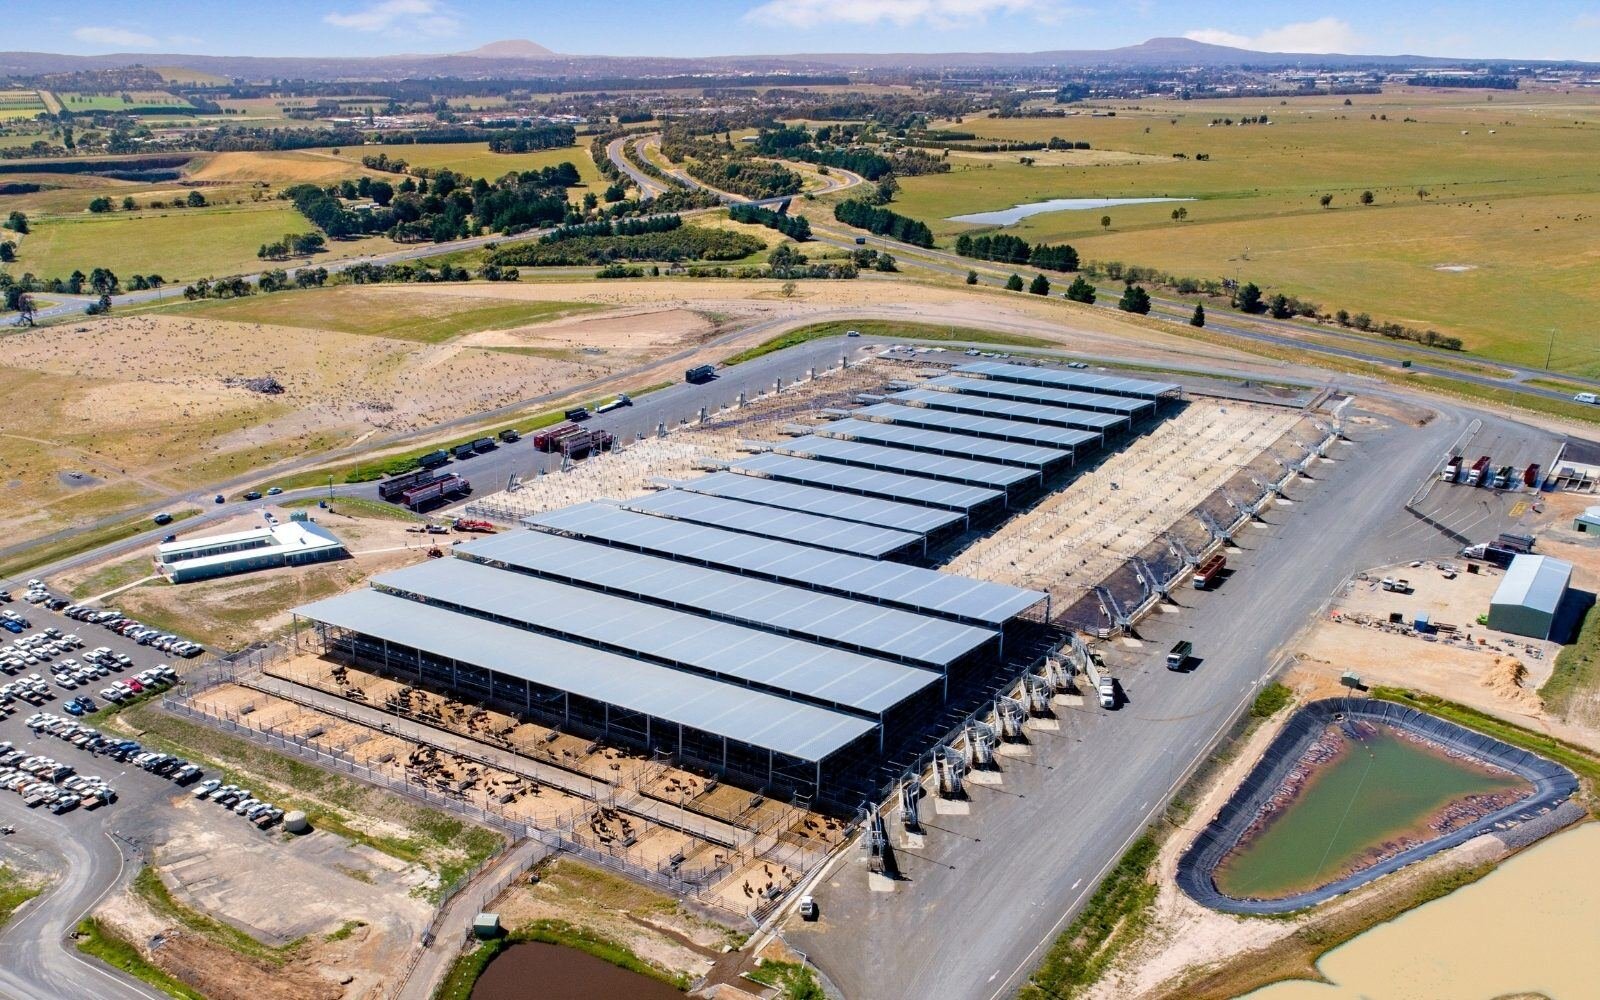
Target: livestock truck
1478 475
550 438
1502 478
392 489
438 489
1451 472
1179 654
1105 685
1207 572
699 373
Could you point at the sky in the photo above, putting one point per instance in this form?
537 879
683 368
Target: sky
1549 29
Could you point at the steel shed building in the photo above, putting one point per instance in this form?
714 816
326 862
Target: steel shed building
1065 378
987 426
1529 596
767 522
828 503
869 482
925 465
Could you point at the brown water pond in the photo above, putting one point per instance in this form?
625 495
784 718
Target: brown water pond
533 969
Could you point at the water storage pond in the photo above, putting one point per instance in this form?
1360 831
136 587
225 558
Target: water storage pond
553 972
1351 790
1016 213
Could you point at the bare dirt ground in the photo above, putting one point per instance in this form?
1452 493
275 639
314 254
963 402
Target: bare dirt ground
142 403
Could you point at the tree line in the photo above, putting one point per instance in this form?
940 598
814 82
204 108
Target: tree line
883 222
1016 250
796 227
682 243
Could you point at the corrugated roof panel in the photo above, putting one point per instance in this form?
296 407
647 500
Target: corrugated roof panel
873 482
754 519
756 718
818 673
828 503
913 463
1040 394
1536 582
777 606
908 586
1115 385
964 445
1010 409
982 426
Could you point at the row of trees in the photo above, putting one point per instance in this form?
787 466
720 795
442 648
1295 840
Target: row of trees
682 243
527 140
614 227
1010 249
796 227
744 176
292 244
883 222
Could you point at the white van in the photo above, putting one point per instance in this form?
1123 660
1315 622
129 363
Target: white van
1586 397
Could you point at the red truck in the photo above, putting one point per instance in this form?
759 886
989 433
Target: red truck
1530 475
1478 475
482 527
550 438
1207 572
438 489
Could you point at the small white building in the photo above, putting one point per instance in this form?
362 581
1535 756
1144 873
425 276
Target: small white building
290 543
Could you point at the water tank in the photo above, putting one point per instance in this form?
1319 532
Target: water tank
295 822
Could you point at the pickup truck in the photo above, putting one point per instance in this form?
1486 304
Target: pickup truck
1179 654
1397 585
1105 686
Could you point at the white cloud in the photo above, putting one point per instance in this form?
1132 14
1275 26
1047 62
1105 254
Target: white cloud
114 37
1326 34
409 17
900 13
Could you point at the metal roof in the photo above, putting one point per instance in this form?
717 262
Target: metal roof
1011 409
988 427
754 519
789 666
780 607
756 718
1536 582
924 590
872 482
914 463
945 443
1040 394
1114 385
828 503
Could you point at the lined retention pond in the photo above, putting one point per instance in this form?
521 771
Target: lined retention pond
1352 789
1371 792
553 972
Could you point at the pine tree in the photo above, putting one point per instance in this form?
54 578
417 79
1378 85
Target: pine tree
1199 317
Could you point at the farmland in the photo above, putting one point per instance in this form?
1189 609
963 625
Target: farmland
1464 219
180 245
79 103
475 160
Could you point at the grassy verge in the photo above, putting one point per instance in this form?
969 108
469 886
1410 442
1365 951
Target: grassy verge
81 542
448 845
463 975
792 980
1271 701
147 885
1295 957
360 506
14 891
1114 917
346 929
1581 761
1577 668
99 941
887 330
110 577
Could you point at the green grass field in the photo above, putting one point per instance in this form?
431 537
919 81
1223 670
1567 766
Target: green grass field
178 244
1497 251
475 159
395 312
78 103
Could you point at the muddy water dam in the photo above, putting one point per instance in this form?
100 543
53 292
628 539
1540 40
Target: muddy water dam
1351 790
531 969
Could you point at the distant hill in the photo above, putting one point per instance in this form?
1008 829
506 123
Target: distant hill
511 58
510 48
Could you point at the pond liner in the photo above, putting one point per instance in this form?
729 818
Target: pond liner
1552 786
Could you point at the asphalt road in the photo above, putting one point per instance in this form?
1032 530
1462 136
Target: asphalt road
37 960
994 887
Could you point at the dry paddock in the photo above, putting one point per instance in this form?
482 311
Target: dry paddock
1079 535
